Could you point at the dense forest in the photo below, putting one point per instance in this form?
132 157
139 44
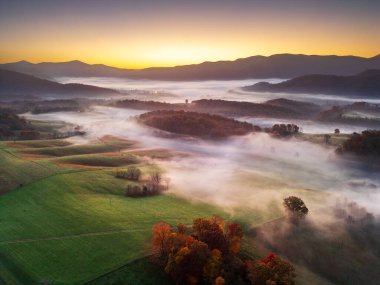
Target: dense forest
278 108
11 125
195 124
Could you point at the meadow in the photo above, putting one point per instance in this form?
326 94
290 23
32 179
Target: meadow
65 218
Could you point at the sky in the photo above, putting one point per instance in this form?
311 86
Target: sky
141 33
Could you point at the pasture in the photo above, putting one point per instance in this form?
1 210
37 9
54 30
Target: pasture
71 223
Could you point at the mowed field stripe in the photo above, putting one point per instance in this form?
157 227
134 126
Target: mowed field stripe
74 236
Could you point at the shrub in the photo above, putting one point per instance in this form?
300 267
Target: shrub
132 173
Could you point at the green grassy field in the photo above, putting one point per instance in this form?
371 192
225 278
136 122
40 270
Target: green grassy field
15 170
68 225
70 222
53 227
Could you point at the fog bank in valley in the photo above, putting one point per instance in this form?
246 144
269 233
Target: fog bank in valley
179 91
252 172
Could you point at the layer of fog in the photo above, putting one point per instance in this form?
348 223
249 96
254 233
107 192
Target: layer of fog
320 99
169 91
179 91
306 126
250 172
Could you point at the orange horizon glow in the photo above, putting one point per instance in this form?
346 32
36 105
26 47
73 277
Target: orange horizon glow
169 62
165 33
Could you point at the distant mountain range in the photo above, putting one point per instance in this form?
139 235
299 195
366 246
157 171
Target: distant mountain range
363 84
15 85
275 66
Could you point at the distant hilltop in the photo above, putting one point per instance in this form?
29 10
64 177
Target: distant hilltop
275 66
15 85
366 83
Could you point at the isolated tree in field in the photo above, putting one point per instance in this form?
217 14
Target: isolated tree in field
295 207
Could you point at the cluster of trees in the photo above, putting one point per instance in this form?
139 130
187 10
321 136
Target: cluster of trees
29 135
208 253
366 144
284 130
61 105
131 173
154 185
12 126
196 124
77 131
147 105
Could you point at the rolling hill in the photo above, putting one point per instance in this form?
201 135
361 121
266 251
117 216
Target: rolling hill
15 84
274 66
366 83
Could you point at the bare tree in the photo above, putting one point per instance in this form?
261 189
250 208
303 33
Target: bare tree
155 181
166 182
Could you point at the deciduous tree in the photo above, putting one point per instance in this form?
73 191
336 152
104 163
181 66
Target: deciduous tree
295 207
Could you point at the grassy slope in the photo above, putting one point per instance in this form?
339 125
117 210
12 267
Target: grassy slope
72 225
51 228
15 171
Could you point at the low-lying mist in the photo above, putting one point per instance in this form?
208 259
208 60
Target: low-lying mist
179 91
248 173
307 126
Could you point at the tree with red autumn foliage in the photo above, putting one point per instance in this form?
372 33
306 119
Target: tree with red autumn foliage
210 256
160 240
270 270
185 265
234 234
210 231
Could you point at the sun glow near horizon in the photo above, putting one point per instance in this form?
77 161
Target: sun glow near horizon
128 34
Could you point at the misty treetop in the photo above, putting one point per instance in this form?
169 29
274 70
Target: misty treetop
295 207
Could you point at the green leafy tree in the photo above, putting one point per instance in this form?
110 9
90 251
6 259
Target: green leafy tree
295 207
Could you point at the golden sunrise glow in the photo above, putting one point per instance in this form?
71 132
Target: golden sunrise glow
155 36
